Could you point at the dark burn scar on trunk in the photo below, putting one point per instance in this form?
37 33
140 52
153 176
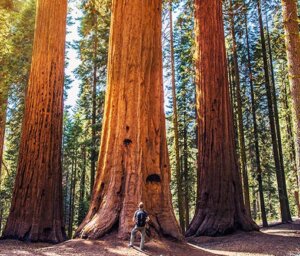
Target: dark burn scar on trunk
127 142
153 178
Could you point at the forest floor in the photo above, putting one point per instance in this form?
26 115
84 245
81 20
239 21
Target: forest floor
279 240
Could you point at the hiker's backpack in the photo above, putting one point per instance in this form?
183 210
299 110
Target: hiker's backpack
141 217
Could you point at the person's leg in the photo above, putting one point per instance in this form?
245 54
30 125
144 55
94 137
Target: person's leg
132 237
143 235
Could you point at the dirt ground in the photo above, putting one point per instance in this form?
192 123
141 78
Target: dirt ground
279 240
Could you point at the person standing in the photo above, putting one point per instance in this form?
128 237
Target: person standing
140 218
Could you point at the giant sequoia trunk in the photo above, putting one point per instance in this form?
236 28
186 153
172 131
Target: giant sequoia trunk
220 208
292 41
36 210
133 161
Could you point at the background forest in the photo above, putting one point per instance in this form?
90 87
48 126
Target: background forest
259 92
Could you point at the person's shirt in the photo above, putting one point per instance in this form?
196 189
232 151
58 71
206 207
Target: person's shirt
135 215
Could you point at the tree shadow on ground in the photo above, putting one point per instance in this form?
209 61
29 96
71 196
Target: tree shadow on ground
108 246
282 240
277 240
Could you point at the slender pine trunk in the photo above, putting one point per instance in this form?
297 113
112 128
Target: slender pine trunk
3 105
94 106
241 137
185 164
179 184
292 151
283 200
276 114
255 131
82 187
70 213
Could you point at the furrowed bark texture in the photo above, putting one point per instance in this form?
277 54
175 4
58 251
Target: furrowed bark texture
292 41
133 161
220 208
36 210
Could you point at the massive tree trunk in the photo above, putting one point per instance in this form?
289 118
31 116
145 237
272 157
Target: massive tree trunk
283 198
133 161
36 210
292 41
220 208
240 114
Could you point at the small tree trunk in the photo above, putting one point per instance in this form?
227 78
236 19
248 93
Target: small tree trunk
1 218
186 171
233 97
292 153
283 200
71 202
276 114
94 106
133 162
254 205
82 188
72 196
292 42
240 115
2 130
175 126
220 208
36 209
255 131
66 206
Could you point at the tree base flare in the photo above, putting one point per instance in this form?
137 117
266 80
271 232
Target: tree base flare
24 233
133 161
210 225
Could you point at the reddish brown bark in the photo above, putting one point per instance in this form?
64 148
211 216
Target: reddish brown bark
220 208
36 210
133 161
